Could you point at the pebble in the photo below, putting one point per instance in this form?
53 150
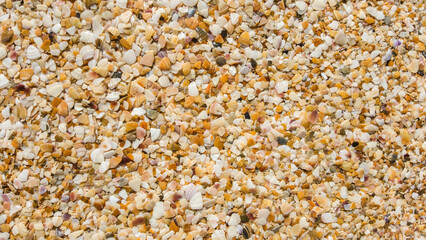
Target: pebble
346 70
152 114
220 61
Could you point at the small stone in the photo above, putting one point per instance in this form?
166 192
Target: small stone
193 90
313 117
341 38
369 20
244 39
22 229
173 226
46 147
55 89
346 166
387 20
120 3
303 223
281 141
38 226
7 36
220 61
346 70
244 218
380 15
293 96
26 74
152 114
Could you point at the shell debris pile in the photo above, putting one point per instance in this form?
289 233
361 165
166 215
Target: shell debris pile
212 119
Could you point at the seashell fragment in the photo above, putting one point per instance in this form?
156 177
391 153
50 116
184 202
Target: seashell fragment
87 53
165 64
196 202
33 52
7 36
97 156
190 191
4 82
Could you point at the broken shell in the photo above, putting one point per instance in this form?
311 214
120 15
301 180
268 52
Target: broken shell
87 53
33 52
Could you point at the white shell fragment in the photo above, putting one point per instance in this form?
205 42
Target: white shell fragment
33 52
4 82
196 202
